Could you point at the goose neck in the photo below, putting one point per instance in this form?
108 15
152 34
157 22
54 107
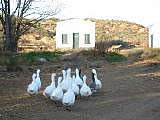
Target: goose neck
53 84
80 73
53 80
64 75
59 80
33 76
84 81
68 75
77 71
34 79
71 81
37 74
77 75
93 77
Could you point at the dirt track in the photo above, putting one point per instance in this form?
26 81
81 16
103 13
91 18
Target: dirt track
130 92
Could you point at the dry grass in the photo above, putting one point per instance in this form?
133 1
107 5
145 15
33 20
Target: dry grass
143 54
132 52
151 53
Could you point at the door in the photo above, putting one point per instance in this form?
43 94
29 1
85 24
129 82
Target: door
152 41
75 40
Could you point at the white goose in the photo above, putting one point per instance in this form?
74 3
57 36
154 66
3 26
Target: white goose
85 89
75 88
97 81
49 89
57 94
69 97
66 80
38 80
78 79
33 87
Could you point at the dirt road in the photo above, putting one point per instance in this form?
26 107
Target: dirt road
130 92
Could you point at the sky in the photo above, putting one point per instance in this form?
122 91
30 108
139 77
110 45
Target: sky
145 12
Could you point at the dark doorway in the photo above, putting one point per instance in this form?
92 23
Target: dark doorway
75 40
152 41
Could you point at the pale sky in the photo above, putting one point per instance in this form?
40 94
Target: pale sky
145 12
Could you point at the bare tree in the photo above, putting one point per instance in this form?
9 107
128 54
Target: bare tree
13 22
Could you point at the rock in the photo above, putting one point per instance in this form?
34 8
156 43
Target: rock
42 60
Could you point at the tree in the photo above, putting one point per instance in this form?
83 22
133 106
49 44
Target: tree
14 20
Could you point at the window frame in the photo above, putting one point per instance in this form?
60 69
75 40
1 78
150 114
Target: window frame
64 38
87 39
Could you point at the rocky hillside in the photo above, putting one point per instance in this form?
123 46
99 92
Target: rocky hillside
122 30
42 37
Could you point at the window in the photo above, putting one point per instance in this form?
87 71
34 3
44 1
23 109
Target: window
64 39
87 39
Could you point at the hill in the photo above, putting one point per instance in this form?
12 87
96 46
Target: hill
42 37
122 30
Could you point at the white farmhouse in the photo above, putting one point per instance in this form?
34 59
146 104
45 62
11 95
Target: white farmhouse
75 33
154 35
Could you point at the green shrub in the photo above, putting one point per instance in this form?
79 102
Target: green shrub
34 56
115 57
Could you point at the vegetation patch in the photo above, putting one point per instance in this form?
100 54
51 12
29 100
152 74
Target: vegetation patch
115 57
151 53
133 52
13 61
38 56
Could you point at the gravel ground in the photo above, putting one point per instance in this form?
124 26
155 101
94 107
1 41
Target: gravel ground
130 92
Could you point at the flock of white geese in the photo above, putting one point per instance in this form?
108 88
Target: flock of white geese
68 86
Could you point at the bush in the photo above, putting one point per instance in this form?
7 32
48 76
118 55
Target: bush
102 47
34 56
115 57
